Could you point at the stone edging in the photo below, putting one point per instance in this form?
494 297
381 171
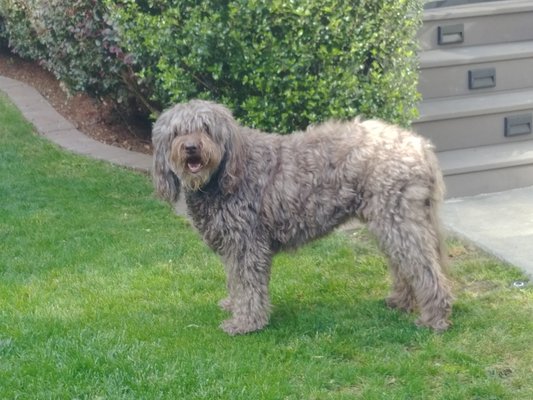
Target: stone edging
49 123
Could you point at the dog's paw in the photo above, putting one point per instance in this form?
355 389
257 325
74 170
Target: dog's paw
238 326
405 305
438 325
226 304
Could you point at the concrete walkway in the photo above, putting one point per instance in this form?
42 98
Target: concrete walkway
500 223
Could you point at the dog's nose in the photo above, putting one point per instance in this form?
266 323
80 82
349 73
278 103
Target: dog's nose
190 148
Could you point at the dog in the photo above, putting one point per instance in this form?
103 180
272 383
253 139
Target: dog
251 194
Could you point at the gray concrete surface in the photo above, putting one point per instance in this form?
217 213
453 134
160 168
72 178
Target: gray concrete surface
499 223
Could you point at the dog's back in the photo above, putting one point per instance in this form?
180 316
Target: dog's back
321 177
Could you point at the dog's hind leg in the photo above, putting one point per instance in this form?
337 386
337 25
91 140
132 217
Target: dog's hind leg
248 277
430 286
410 236
402 296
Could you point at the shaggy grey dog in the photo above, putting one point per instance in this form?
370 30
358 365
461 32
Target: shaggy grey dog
252 194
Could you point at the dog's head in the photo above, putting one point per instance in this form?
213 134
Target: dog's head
192 141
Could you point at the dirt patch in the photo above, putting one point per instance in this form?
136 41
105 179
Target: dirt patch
96 119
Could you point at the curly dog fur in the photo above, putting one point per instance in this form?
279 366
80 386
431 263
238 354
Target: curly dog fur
252 194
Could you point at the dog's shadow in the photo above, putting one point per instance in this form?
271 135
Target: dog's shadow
368 322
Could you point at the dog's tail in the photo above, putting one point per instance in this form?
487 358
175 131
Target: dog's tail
437 196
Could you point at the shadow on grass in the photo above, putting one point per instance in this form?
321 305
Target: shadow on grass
367 321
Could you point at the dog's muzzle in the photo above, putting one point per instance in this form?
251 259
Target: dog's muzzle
193 157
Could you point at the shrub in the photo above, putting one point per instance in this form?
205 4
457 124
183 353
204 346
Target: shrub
279 65
3 33
70 38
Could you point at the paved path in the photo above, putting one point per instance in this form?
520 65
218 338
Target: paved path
500 223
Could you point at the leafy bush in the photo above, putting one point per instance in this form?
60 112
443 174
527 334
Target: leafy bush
3 33
71 38
279 65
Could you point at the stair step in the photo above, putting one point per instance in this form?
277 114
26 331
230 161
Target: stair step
476 79
487 169
476 54
445 73
477 9
467 106
429 4
464 122
483 23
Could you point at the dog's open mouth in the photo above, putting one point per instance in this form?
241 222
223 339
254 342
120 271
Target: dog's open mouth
194 164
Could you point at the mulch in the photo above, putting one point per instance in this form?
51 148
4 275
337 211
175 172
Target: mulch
96 118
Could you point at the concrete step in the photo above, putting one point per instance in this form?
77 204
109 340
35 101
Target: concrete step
480 23
463 122
487 169
429 4
478 69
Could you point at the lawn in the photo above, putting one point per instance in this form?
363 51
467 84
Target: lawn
105 294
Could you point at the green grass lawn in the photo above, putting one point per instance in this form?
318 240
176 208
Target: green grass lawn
105 294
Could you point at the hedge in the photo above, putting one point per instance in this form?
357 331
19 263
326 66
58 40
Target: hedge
279 65
74 39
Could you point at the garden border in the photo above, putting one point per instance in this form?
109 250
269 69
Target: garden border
49 123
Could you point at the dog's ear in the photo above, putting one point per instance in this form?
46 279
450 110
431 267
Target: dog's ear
166 183
231 176
227 132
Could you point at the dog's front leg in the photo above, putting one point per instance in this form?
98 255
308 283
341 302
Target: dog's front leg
248 277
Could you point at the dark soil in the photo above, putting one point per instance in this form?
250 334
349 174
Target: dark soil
97 119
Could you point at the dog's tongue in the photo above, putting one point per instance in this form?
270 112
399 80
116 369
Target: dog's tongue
194 166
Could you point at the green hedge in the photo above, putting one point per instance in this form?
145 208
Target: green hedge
71 38
279 65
